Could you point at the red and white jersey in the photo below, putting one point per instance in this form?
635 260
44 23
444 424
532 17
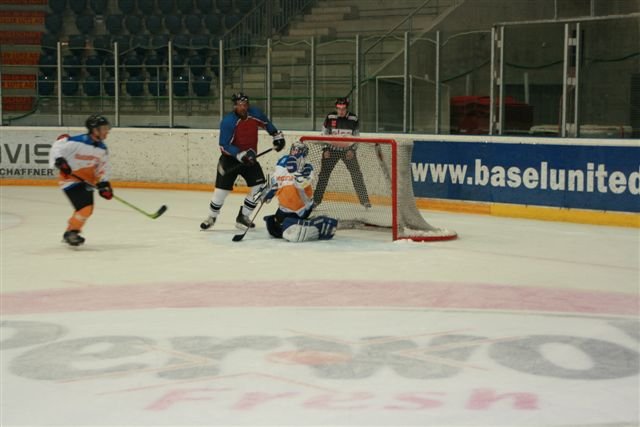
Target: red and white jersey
295 191
87 158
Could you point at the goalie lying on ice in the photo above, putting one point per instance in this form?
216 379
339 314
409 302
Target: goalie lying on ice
292 184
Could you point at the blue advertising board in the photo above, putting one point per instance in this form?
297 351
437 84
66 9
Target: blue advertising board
569 176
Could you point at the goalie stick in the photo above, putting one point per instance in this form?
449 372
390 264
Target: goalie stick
155 215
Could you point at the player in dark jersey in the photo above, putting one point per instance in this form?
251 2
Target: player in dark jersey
238 143
341 122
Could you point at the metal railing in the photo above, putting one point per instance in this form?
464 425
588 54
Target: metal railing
577 83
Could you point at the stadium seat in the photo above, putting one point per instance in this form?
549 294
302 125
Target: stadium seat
184 6
133 24
109 86
133 64
173 24
49 43
102 44
157 86
200 43
70 85
46 85
127 7
212 24
135 86
160 43
99 7
205 6
181 85
146 7
114 24
153 65
124 44
84 23
71 65
57 6
77 44
178 65
224 6
109 65
78 6
165 6
91 86
92 64
201 85
193 23
48 65
53 23
141 44
197 65
181 43
154 24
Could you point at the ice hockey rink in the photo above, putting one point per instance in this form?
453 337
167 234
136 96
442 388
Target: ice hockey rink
153 322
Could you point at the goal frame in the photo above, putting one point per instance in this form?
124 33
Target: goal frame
394 182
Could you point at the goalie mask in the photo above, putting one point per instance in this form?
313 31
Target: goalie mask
299 150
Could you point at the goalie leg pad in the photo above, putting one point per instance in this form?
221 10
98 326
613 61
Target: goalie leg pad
301 230
273 227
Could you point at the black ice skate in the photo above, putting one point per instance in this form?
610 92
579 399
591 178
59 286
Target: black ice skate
73 238
243 221
207 223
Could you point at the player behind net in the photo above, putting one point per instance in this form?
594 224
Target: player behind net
292 184
78 158
238 143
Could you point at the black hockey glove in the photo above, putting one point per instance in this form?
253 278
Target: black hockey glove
105 190
248 157
61 163
278 141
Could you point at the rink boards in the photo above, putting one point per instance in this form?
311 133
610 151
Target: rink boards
578 180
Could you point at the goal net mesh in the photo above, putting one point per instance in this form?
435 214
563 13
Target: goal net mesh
366 182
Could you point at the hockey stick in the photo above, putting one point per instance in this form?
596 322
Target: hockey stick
155 215
239 237
223 172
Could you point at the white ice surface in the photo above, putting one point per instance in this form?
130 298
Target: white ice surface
125 330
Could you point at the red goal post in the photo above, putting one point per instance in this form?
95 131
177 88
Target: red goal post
366 182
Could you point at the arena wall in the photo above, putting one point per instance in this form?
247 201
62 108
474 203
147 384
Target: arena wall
504 176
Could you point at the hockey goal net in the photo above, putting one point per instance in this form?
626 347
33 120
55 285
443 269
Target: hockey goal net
366 182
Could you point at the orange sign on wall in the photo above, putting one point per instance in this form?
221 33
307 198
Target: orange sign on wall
17 103
23 2
18 81
20 37
21 17
20 58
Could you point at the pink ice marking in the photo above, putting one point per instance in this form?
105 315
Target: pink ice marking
423 294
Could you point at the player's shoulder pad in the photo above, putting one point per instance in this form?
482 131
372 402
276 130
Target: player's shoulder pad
352 117
86 139
283 161
332 116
